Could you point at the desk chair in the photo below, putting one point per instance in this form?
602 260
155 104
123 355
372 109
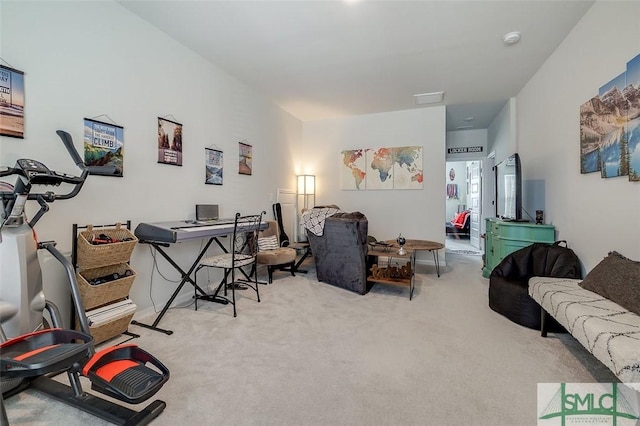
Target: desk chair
243 253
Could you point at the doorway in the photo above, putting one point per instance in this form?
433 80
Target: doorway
464 194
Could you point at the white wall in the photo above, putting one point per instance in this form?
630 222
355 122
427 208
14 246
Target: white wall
418 214
594 215
501 134
84 59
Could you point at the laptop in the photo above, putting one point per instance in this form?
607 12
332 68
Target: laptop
206 212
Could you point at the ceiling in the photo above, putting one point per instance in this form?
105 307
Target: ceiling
327 59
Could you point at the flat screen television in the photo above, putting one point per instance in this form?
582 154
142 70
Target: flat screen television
509 189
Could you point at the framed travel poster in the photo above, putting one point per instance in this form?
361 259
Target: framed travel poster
104 146
246 158
169 142
11 102
213 166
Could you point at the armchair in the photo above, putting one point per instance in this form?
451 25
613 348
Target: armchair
274 257
340 252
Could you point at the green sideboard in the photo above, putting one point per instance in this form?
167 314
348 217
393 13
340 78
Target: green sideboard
503 238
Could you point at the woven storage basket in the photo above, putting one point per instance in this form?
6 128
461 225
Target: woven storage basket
111 329
94 256
101 294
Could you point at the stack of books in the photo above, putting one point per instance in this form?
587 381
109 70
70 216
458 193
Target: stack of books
111 312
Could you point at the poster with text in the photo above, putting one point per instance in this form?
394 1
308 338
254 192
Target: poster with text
169 142
104 146
11 102
213 166
246 159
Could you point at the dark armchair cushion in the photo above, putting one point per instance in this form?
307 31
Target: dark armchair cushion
539 260
618 279
509 280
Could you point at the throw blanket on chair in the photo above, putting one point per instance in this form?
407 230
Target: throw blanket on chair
313 220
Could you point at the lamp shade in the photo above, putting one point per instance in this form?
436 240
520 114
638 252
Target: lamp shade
306 185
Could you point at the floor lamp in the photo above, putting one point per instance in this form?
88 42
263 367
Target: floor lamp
306 199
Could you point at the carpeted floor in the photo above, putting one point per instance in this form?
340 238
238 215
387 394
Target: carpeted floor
314 354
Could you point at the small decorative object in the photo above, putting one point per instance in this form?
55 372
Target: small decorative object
401 242
452 174
539 217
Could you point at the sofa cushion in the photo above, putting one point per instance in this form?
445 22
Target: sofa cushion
279 256
618 279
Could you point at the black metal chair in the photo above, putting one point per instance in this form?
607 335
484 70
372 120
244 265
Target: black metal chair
243 253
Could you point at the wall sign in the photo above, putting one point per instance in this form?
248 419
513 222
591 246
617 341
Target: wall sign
464 149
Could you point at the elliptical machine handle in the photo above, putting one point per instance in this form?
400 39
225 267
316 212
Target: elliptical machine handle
92 170
68 143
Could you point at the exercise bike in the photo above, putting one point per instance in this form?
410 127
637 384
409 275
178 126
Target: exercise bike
33 354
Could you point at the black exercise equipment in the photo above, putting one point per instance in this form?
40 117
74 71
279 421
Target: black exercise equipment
126 373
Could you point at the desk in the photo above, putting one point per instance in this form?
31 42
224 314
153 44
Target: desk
390 251
162 234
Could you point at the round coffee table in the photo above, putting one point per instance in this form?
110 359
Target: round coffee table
419 245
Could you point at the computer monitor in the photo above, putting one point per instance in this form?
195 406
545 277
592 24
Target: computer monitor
206 212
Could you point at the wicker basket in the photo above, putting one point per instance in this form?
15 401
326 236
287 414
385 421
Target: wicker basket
101 294
94 256
111 329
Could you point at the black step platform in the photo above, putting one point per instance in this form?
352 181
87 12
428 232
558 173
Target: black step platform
43 352
122 373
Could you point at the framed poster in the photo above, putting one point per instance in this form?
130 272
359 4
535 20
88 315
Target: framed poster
213 166
11 102
169 142
104 145
246 159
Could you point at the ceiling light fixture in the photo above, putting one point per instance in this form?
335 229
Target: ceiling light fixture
464 127
511 38
468 119
428 98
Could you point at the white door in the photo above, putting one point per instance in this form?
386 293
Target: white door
474 198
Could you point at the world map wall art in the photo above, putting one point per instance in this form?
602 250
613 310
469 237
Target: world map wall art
381 168
610 127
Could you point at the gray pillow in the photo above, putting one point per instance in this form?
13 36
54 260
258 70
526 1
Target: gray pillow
618 279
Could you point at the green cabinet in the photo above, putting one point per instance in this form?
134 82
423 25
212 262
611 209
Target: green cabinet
503 238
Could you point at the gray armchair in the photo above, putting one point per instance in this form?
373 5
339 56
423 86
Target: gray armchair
341 252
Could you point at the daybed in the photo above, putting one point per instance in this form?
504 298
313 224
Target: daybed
602 312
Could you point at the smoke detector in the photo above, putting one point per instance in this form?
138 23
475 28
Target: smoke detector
511 38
